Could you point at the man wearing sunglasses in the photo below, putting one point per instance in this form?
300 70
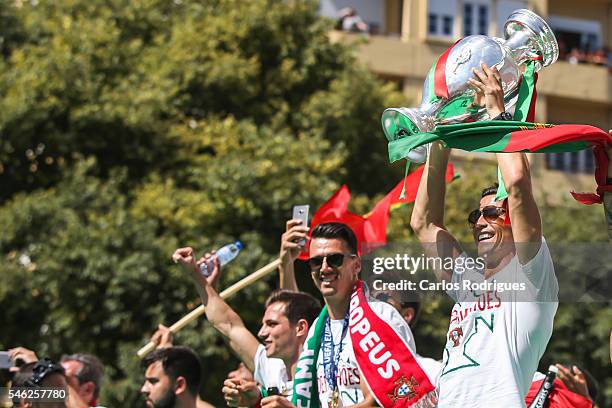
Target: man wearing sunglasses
49 375
495 340
335 268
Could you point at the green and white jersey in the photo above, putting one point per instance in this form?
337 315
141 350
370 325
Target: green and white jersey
496 337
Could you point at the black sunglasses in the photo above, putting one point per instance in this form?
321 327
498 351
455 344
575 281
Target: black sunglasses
333 260
490 214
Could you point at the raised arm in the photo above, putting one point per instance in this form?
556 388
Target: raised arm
289 251
427 219
219 313
514 168
524 214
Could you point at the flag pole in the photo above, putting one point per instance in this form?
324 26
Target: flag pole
200 310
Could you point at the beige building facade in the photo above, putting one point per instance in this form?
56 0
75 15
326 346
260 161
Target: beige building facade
409 35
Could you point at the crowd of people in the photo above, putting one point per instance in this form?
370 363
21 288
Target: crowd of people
359 349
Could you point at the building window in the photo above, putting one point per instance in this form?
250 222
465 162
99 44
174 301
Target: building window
475 19
467 19
483 20
447 25
440 25
571 162
433 24
441 18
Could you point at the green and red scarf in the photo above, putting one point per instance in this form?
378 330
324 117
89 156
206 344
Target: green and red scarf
386 363
520 135
516 136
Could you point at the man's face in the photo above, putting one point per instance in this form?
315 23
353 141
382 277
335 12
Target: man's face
276 333
158 388
489 234
334 282
72 368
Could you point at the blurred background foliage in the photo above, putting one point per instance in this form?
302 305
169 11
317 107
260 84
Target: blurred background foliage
128 128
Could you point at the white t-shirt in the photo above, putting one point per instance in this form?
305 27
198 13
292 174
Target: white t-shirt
348 372
271 372
431 367
496 339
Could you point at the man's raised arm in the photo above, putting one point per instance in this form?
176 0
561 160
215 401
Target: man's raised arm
522 208
289 251
427 219
219 313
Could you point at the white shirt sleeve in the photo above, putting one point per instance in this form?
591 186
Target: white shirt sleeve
541 273
260 361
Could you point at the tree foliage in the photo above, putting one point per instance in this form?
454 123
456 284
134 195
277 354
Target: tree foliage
128 128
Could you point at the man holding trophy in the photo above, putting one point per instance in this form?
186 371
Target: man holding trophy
491 354
495 338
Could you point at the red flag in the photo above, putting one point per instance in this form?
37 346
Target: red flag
371 228
560 396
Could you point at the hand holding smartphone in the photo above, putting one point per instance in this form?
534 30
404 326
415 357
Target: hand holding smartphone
5 360
300 212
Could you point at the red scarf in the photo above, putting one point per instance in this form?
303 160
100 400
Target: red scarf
385 361
560 396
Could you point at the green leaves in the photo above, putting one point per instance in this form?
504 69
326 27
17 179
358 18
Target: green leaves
129 128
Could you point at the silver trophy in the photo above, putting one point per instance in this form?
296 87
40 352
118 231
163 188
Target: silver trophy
527 37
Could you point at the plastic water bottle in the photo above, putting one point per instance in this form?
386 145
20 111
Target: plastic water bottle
541 398
224 254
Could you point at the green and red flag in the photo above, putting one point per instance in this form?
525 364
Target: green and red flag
520 135
516 136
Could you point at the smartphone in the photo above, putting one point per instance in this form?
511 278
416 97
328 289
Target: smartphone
272 391
300 212
5 360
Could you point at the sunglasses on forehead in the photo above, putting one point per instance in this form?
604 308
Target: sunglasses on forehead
490 214
42 369
333 260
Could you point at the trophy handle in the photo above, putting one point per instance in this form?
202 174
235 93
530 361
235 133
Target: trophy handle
526 31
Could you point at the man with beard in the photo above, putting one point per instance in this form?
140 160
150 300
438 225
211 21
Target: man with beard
495 339
172 378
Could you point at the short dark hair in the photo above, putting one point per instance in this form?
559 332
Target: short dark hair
92 369
490 190
178 361
298 305
336 230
